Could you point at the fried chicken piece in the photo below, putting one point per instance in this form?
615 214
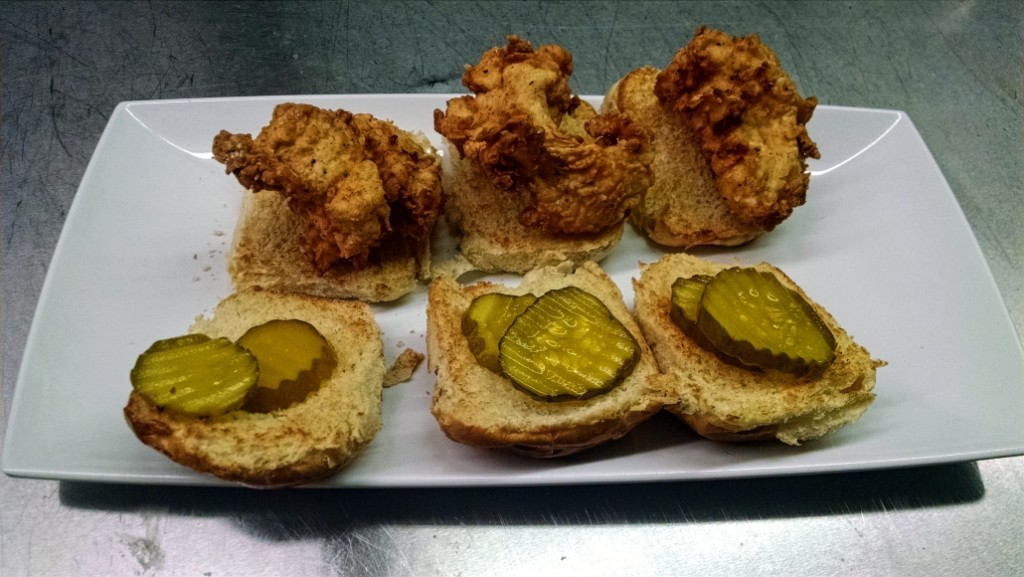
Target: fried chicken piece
356 181
576 171
750 119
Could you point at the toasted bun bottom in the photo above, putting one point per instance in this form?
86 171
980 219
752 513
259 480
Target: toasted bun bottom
302 443
683 207
492 238
477 407
725 402
265 254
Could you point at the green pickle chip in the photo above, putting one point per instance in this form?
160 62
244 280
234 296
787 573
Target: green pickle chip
486 321
567 345
752 318
686 296
195 375
294 360
272 366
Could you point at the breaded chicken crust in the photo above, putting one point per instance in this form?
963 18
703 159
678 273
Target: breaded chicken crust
356 181
578 172
750 119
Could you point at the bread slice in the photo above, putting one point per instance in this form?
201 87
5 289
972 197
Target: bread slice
304 442
491 237
683 207
265 254
477 407
726 402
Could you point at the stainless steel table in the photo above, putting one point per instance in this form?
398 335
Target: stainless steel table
955 67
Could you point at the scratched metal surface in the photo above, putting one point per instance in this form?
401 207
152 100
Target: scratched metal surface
955 67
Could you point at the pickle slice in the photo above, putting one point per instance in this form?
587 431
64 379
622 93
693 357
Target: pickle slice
195 375
567 345
485 322
294 359
751 316
686 295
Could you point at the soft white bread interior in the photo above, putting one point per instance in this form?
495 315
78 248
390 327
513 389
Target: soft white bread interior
477 407
725 402
266 254
302 443
683 207
486 219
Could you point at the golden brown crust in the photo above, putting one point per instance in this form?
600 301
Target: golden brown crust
750 120
576 171
716 430
541 443
683 206
477 407
302 443
169 434
355 182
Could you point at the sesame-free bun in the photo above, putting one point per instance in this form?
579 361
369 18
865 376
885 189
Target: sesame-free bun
480 408
726 402
305 442
491 238
265 254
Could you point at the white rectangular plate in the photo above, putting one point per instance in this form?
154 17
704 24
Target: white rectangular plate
881 243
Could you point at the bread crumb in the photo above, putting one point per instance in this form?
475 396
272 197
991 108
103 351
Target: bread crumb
403 368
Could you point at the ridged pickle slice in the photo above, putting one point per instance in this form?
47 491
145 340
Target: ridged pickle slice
195 375
487 319
752 317
567 345
686 295
294 360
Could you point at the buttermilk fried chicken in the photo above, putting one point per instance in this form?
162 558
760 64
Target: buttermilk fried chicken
356 181
576 171
749 118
